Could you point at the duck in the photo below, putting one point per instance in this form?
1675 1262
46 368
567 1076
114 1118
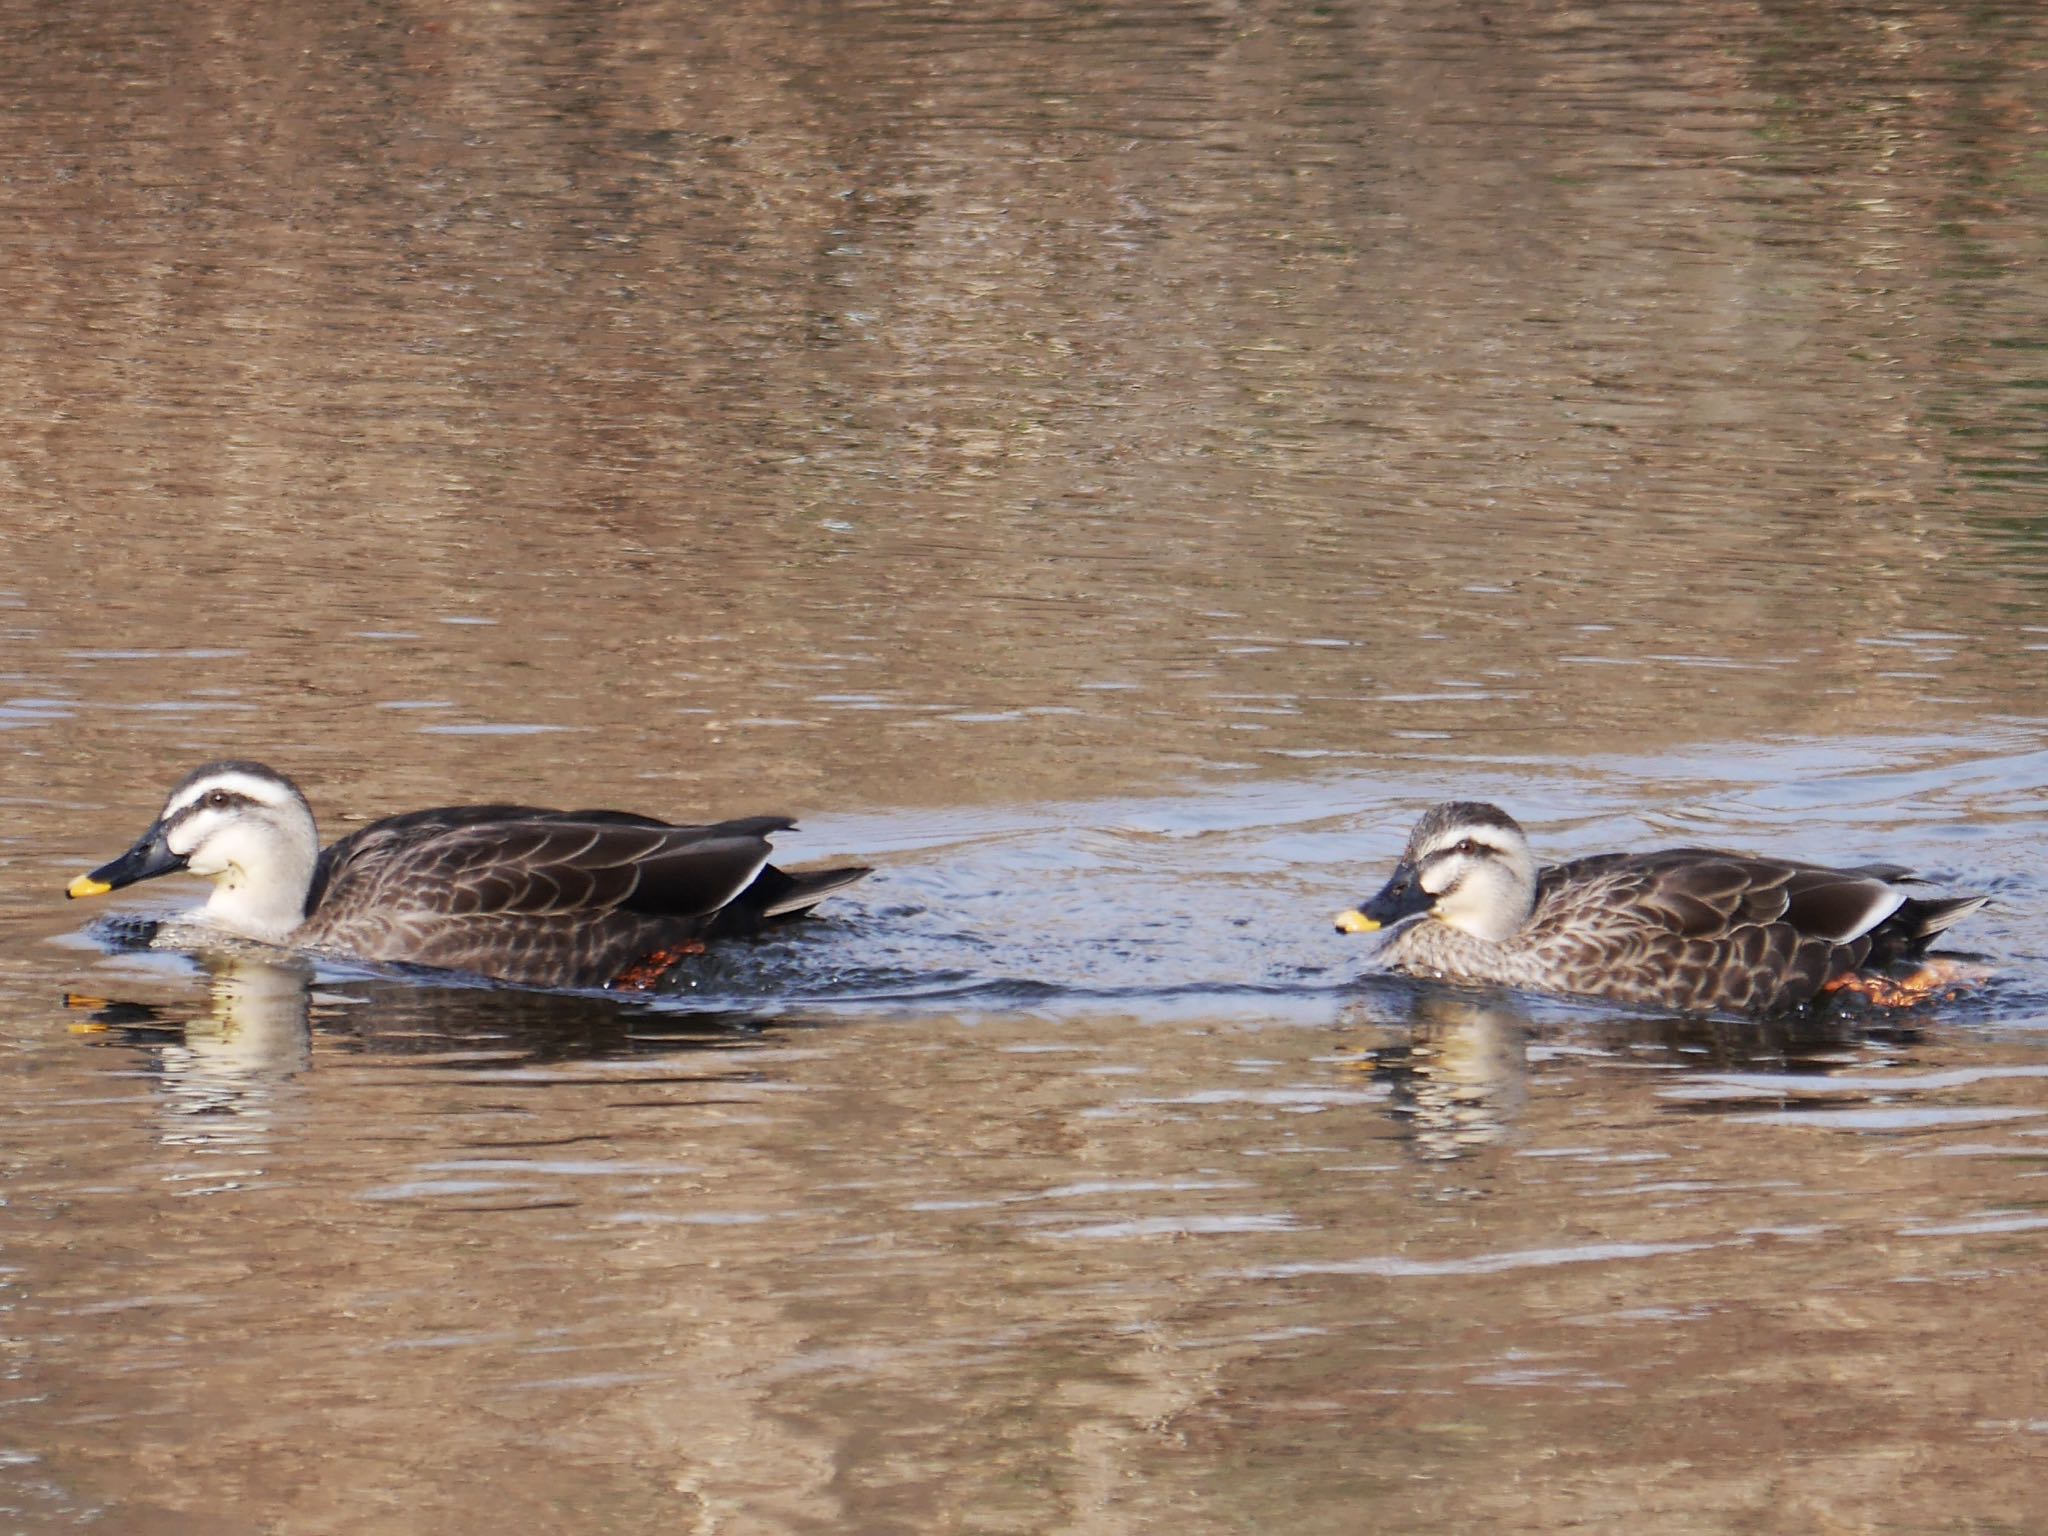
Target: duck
1691 930
514 893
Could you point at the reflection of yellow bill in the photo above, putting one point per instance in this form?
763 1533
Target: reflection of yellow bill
85 1000
85 885
1353 921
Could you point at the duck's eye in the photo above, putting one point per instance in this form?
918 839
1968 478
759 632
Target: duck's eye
217 798
1468 848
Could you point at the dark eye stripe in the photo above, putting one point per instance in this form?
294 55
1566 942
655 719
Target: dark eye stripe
212 800
1468 848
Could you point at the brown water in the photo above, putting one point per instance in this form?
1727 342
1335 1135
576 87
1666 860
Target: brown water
1107 467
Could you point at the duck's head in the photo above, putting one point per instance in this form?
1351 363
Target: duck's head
1467 865
241 825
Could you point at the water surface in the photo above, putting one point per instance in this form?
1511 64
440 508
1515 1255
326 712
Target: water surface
1108 468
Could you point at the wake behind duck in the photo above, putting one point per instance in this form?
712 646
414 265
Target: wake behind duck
518 893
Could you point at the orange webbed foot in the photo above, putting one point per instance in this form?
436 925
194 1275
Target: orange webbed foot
643 974
1934 981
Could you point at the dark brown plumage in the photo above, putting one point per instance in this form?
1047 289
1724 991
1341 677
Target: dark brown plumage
520 893
1692 929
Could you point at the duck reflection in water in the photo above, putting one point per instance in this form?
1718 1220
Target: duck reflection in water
1458 1075
230 1054
1457 1061
227 1057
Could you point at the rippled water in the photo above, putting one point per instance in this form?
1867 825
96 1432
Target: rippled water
1107 468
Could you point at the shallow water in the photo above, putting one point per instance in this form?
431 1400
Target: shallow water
1108 469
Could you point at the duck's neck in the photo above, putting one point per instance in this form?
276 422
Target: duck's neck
1434 948
262 895
1493 904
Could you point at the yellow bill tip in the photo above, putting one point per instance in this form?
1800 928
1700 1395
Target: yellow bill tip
1355 921
85 885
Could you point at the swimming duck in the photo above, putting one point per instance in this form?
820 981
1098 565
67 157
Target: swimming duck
521 894
1689 929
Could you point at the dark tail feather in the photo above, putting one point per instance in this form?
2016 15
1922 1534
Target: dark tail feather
805 889
777 896
1922 918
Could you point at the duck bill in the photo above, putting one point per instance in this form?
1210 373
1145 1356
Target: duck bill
1401 898
151 856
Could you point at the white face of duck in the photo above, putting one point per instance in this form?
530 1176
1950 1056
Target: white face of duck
1467 865
240 825
1482 876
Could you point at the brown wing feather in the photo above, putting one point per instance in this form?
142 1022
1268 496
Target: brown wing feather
551 898
1699 892
394 844
1839 905
1700 928
555 866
